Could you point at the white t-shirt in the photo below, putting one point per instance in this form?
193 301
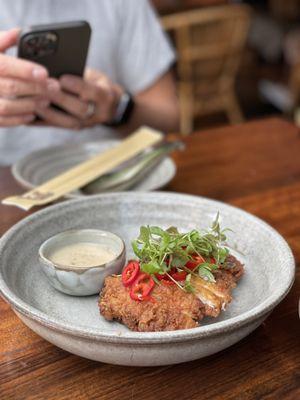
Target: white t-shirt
127 44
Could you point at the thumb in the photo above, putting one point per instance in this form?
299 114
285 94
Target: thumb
8 38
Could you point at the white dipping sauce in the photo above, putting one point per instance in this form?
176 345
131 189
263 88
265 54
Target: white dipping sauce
82 255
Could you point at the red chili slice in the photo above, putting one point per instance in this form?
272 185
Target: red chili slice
174 273
130 273
179 276
150 298
141 287
161 277
196 260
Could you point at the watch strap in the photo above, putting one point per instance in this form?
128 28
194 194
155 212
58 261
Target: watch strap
124 110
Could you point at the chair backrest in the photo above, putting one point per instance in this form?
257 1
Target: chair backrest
209 42
285 9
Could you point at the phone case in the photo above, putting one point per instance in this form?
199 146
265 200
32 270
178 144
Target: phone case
61 48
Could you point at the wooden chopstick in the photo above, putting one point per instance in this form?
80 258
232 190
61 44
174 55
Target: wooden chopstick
87 171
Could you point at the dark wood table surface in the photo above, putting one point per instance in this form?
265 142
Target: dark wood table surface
255 166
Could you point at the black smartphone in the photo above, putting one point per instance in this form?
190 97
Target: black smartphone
62 48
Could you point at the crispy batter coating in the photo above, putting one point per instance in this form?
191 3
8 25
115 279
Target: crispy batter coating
171 308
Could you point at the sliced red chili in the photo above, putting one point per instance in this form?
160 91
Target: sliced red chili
194 262
130 273
174 273
161 277
150 298
141 287
179 276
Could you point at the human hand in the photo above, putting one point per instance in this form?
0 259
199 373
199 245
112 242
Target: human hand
23 85
76 97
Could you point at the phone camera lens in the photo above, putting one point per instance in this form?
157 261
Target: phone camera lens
41 44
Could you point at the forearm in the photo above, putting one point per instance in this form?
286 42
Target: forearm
159 115
156 107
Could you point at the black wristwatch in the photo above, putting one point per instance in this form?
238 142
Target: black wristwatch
124 110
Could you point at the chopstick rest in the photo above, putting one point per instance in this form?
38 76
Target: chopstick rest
87 171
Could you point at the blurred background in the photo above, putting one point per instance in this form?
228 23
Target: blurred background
237 60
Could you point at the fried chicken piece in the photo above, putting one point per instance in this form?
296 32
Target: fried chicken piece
171 308
216 295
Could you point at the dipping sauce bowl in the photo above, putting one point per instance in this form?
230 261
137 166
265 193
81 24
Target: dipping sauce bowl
77 261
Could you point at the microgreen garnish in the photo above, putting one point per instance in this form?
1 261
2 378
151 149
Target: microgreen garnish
160 251
187 284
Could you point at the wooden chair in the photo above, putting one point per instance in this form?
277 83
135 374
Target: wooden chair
287 9
209 43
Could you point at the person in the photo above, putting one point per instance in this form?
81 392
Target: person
129 53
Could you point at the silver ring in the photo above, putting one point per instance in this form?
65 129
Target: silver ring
91 109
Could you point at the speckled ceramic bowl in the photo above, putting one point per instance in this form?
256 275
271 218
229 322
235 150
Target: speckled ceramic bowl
82 281
42 165
74 323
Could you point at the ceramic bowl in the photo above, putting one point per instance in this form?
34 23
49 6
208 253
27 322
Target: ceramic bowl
42 165
81 281
75 324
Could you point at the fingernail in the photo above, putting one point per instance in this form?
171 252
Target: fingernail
39 73
52 85
28 118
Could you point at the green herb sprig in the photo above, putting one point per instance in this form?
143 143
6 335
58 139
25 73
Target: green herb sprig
161 250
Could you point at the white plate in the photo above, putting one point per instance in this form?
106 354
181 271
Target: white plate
42 165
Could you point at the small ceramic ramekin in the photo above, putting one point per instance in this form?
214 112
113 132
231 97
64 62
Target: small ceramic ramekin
81 281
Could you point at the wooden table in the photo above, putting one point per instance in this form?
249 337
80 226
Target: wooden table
255 166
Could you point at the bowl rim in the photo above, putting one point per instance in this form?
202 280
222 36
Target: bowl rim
143 338
79 270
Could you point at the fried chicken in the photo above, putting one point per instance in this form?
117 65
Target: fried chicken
216 295
171 308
